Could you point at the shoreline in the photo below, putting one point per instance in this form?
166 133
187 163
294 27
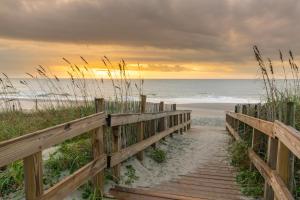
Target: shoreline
208 114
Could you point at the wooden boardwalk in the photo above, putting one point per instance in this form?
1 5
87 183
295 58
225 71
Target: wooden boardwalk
214 179
211 179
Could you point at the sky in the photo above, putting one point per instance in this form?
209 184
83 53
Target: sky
166 38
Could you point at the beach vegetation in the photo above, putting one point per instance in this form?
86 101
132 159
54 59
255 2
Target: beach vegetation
158 155
238 152
282 85
130 175
11 178
90 193
58 101
250 180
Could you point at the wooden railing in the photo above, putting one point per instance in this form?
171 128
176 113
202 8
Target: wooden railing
283 141
30 146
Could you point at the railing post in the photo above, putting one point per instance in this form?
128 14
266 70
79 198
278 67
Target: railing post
162 121
271 161
185 120
116 146
285 159
189 118
176 122
256 135
172 119
244 111
36 105
98 146
236 121
140 136
33 174
181 121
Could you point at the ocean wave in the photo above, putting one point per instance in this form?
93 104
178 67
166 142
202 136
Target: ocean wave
150 98
207 99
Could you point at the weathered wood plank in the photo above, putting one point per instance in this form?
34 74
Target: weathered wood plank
149 193
289 136
124 154
286 134
233 132
117 144
263 126
21 147
122 119
97 140
72 182
271 176
33 174
140 135
283 162
271 161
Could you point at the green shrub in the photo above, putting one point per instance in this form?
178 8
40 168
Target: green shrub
90 193
130 175
238 151
11 179
69 157
158 155
251 183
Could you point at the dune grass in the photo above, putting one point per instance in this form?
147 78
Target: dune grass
282 85
17 123
61 102
158 155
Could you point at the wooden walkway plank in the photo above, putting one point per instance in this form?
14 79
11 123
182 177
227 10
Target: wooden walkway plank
202 188
197 192
131 192
206 184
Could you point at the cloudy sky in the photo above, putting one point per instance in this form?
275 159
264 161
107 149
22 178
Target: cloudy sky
168 38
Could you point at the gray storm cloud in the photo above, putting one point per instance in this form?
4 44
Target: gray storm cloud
226 29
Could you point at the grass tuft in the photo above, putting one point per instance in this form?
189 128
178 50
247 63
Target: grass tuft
251 181
130 175
239 155
158 155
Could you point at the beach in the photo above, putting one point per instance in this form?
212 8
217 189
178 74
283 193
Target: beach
208 114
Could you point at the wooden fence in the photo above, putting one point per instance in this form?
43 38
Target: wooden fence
283 143
30 146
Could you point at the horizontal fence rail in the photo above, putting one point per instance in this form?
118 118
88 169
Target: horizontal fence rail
123 119
20 147
282 140
286 134
30 146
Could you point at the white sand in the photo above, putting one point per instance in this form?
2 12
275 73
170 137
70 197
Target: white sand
208 114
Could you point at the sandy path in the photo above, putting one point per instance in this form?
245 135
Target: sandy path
185 153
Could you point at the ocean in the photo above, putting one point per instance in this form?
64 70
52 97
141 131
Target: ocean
170 91
205 91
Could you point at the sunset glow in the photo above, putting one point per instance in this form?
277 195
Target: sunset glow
168 45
